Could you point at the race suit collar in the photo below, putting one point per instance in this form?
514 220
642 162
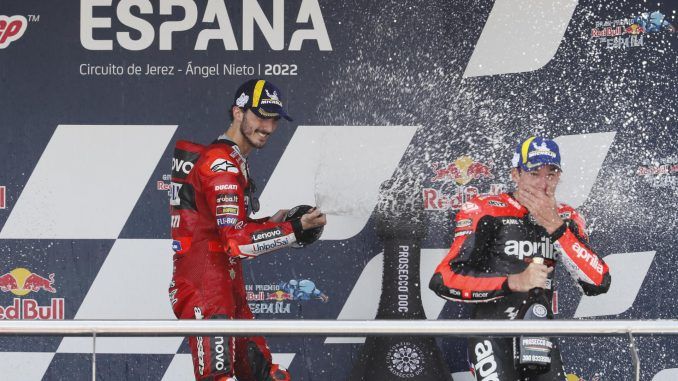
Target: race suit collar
223 138
513 202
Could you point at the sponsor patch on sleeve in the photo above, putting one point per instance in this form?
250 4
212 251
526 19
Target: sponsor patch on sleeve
265 235
223 165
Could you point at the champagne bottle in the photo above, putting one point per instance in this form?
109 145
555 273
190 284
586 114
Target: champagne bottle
534 352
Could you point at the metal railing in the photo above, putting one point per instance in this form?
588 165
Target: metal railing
462 328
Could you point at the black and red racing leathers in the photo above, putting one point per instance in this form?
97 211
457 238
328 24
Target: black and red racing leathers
495 236
211 200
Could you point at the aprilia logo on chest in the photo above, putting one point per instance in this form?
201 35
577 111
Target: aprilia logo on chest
522 249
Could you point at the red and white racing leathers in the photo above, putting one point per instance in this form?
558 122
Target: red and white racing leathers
211 199
495 236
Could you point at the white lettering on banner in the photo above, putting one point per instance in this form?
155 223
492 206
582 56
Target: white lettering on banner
29 309
253 15
403 278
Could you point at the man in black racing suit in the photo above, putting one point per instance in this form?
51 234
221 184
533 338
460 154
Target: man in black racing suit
491 259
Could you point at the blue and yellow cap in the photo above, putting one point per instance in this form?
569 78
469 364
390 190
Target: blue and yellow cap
535 152
262 97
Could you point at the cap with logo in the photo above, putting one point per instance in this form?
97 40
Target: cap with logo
262 97
535 152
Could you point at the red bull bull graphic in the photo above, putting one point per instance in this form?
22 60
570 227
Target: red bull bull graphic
8 283
635 29
454 192
21 282
462 171
280 296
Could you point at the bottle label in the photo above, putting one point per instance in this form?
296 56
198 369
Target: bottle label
535 351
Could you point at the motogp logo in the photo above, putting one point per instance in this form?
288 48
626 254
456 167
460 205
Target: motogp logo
11 29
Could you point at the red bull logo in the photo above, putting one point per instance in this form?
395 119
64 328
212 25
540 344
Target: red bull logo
255 296
21 281
280 296
462 171
435 199
29 309
607 32
635 29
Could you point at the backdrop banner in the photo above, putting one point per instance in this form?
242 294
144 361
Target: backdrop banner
430 97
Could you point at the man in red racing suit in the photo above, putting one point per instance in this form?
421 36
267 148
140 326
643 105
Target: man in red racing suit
490 261
212 198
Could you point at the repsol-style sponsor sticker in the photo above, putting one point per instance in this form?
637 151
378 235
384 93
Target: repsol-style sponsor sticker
510 221
222 187
462 233
464 223
227 198
227 221
227 210
265 235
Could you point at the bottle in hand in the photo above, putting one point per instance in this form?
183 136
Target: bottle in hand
533 353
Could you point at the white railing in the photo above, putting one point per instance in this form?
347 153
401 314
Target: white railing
98 328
